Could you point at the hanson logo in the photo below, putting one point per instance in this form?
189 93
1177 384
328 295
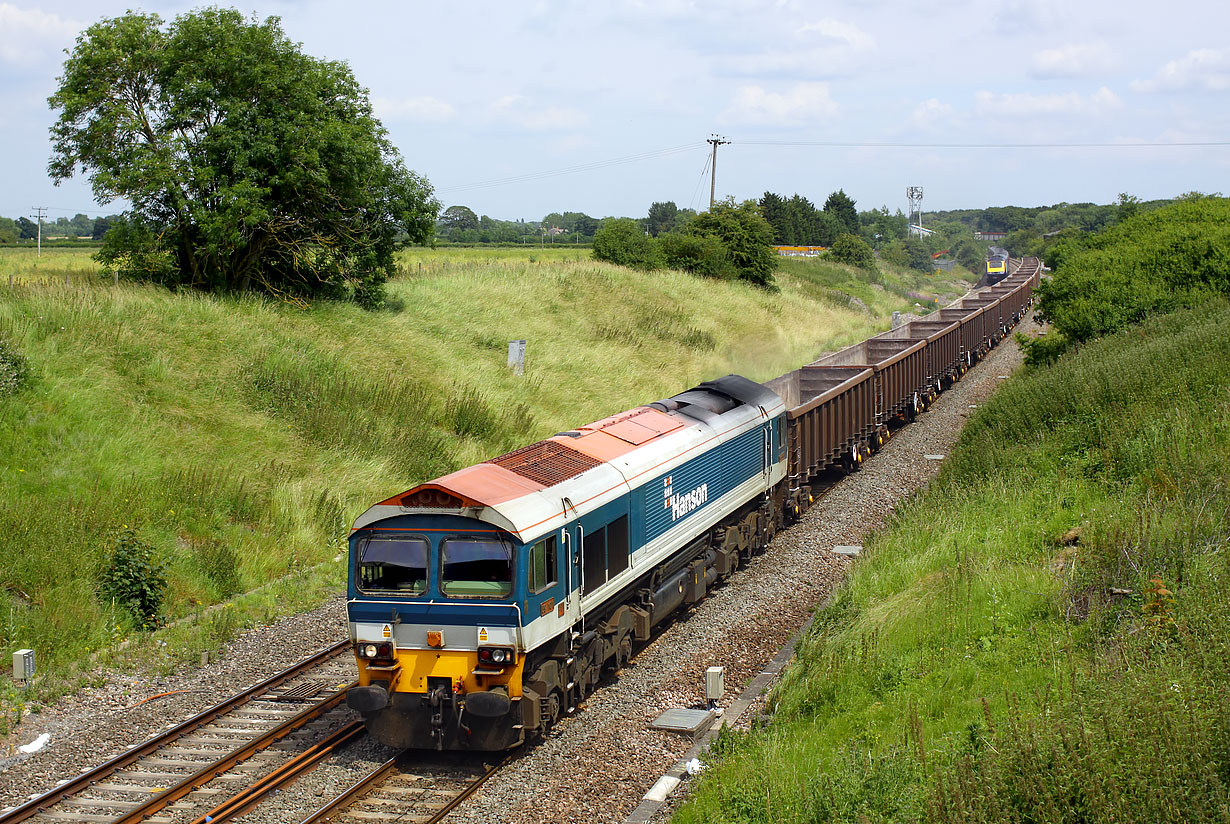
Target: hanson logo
681 505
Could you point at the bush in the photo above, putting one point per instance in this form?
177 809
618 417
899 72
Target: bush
853 250
13 369
747 236
1042 351
622 241
134 579
1150 264
700 255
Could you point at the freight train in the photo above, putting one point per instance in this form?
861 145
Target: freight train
486 603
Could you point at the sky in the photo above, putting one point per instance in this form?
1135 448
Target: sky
519 109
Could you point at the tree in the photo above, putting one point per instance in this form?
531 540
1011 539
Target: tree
458 218
8 230
853 250
773 210
101 225
621 240
663 217
747 236
841 206
249 165
27 229
1127 206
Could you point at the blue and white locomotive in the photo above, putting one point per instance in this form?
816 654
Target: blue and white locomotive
485 603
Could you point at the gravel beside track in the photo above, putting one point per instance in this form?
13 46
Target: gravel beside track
598 763
101 722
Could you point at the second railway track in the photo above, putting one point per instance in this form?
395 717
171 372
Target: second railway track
178 764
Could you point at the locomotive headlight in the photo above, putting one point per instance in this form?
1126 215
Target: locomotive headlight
499 656
371 652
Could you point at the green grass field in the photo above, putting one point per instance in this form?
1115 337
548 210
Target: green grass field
238 437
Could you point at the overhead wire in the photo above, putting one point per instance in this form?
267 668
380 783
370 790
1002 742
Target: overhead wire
567 170
863 144
700 182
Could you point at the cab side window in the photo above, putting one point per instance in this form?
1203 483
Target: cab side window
543 569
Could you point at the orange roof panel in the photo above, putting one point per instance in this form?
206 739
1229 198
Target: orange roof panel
484 484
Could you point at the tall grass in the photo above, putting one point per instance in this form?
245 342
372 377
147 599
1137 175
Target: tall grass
1042 634
238 437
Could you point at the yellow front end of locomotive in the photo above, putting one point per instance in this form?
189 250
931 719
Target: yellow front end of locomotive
416 670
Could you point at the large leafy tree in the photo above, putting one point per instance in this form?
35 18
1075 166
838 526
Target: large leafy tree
747 236
248 164
663 217
458 218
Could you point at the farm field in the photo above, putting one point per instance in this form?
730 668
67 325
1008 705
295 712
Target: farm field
225 443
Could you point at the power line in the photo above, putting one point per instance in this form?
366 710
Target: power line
699 182
567 170
836 144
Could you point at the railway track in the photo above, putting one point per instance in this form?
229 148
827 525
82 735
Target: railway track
192 764
409 788
222 763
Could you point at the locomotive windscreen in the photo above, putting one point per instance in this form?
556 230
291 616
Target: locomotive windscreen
475 566
393 564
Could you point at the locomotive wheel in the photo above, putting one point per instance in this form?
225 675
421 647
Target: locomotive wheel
551 713
623 654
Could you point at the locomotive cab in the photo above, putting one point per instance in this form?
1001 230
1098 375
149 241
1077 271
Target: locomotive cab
435 616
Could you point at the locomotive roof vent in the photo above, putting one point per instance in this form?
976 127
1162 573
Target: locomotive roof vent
546 462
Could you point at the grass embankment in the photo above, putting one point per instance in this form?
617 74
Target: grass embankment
1044 633
237 437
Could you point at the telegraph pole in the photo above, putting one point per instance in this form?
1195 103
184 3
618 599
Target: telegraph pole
716 140
39 212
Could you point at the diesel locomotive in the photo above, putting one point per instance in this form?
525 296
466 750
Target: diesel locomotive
486 603
997 265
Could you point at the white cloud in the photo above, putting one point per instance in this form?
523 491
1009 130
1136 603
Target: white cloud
1034 105
805 102
832 32
1035 16
419 109
826 48
29 34
521 112
931 111
1203 69
1072 60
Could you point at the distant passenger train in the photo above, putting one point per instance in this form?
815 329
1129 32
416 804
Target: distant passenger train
997 265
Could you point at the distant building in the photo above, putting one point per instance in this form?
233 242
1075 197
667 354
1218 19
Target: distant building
800 251
919 231
990 235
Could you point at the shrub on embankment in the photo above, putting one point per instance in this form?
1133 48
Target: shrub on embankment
237 438
1154 262
1041 635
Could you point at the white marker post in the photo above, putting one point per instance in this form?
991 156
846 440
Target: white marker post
516 356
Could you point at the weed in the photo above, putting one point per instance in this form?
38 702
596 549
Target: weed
220 563
13 369
134 579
